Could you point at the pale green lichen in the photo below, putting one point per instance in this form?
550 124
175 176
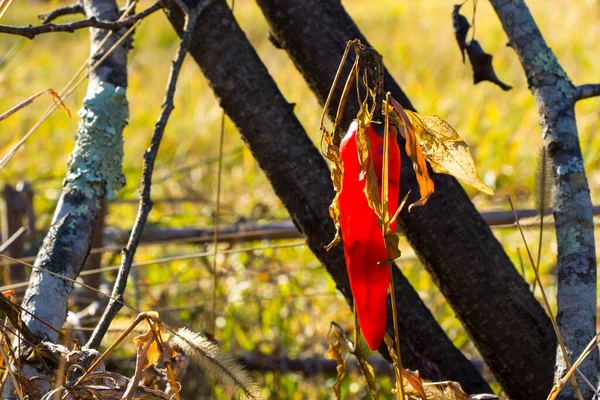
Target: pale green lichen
81 209
545 62
95 165
568 241
574 165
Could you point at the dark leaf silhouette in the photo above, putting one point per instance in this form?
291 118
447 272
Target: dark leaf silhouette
461 27
482 65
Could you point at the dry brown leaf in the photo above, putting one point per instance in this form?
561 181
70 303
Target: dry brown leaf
335 352
152 350
414 151
332 152
365 368
413 386
363 144
446 152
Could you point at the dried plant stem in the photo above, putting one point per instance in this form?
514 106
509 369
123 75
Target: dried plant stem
559 385
15 380
386 223
546 302
216 228
400 379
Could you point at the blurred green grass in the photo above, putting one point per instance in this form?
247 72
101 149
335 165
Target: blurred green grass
279 301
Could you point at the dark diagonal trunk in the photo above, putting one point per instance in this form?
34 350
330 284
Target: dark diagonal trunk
301 179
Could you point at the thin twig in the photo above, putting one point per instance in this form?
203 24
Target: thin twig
50 16
32 31
146 183
22 230
587 91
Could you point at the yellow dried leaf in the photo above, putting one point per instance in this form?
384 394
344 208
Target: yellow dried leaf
147 346
446 152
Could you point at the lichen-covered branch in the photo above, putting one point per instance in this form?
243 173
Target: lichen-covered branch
92 22
555 97
587 91
94 172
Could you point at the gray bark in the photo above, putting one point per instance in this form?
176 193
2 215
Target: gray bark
300 177
94 172
505 321
555 97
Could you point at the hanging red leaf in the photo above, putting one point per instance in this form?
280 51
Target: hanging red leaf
363 239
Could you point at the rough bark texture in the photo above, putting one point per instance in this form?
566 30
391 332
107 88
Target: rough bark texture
555 97
94 172
300 177
507 324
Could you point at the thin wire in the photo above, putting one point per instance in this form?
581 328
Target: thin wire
162 260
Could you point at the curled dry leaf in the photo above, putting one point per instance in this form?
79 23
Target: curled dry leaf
412 383
153 354
332 152
335 352
365 368
483 70
414 151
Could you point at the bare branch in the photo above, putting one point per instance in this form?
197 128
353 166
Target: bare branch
587 91
32 31
50 16
146 203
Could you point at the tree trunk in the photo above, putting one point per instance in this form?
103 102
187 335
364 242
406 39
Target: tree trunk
507 324
300 177
555 97
94 172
